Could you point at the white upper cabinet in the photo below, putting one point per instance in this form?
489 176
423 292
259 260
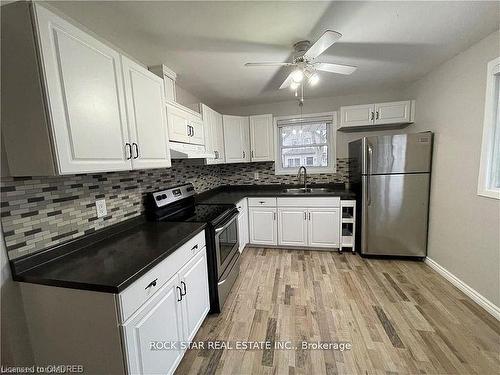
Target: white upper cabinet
367 116
146 117
261 138
214 134
393 112
75 104
357 115
178 122
236 138
184 125
84 84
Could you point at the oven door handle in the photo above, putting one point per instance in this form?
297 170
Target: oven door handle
228 223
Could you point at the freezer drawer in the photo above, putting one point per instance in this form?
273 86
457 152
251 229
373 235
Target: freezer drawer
394 214
402 153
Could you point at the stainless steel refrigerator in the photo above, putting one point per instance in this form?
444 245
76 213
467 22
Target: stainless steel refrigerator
393 177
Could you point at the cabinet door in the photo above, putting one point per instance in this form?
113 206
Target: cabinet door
197 137
236 139
292 226
357 115
195 301
392 113
324 227
262 138
84 84
214 136
158 321
146 116
178 122
263 226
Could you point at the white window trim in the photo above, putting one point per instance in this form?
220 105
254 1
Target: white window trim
332 152
490 113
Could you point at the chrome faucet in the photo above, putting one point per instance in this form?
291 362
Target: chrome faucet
299 173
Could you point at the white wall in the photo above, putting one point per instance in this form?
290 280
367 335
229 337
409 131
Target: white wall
314 105
464 229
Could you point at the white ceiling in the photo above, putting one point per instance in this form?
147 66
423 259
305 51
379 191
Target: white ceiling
207 43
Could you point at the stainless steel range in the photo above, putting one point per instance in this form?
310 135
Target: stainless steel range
178 204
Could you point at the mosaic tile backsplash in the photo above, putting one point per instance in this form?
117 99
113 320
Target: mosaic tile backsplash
39 212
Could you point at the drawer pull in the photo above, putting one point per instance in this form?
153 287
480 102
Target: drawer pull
152 283
195 247
185 290
180 294
262 202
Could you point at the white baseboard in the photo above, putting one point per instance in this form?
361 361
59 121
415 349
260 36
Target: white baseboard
470 292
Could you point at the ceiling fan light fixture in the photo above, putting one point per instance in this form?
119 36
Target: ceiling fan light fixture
314 79
297 75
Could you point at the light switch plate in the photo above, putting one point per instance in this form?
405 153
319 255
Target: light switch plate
100 206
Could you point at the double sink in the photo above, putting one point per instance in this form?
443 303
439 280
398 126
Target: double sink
308 190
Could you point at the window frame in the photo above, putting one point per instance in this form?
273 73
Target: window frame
331 144
491 113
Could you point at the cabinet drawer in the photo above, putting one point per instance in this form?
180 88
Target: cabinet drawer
262 202
309 202
138 293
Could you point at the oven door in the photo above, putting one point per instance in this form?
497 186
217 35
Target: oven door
226 243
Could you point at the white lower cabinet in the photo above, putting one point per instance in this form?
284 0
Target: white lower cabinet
292 226
323 227
158 322
263 225
154 334
195 298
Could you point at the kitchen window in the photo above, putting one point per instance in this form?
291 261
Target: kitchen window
307 140
489 169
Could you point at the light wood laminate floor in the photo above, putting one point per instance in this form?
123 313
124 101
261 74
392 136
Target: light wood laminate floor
400 316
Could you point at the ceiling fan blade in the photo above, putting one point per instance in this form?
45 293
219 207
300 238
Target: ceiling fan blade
286 82
324 42
269 63
335 68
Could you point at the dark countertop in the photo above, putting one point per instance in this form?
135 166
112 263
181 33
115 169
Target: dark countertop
109 260
231 194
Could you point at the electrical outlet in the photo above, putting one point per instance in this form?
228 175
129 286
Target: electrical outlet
255 175
100 206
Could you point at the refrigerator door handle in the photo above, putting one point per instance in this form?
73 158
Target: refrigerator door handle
369 162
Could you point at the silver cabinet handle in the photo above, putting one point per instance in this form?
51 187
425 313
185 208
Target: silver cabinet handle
251 154
372 116
216 154
244 155
274 216
309 214
305 216
376 115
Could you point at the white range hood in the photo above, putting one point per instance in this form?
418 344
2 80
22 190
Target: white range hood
187 151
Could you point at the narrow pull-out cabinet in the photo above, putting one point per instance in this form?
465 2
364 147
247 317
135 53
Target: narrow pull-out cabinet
243 235
67 106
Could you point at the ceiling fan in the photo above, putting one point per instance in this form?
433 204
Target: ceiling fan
304 61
